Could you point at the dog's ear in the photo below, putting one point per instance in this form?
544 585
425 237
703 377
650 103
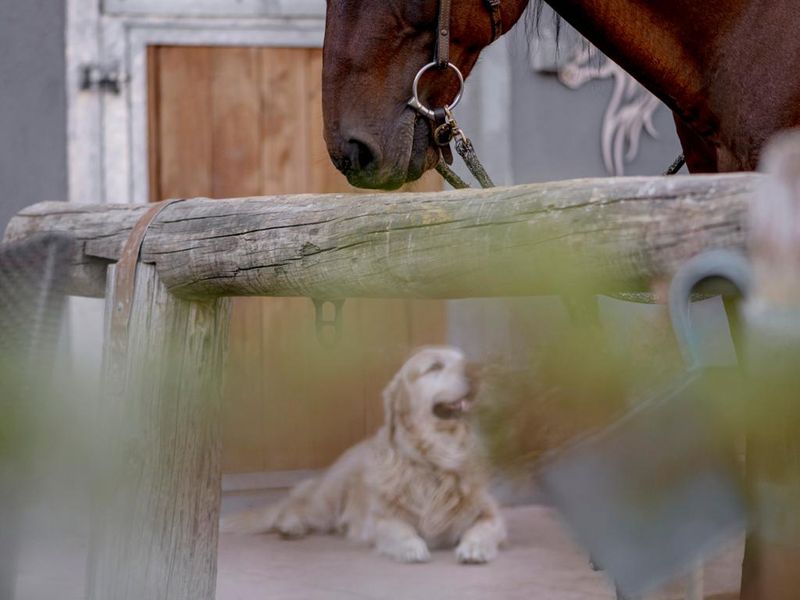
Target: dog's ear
395 402
411 370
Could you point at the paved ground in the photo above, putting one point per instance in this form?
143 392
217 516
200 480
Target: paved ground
540 564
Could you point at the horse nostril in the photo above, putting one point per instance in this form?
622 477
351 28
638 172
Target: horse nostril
342 163
361 155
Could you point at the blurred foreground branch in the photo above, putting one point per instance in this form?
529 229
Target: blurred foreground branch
773 328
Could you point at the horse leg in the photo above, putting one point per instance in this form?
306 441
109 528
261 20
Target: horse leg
700 154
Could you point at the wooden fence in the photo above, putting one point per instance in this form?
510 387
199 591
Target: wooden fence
161 411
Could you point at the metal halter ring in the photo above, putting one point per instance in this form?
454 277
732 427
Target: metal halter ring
421 108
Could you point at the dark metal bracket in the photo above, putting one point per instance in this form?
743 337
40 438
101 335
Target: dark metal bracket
102 77
322 324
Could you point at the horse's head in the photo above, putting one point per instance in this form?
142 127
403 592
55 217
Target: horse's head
373 50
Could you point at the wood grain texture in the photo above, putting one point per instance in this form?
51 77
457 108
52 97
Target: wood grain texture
284 123
236 166
235 113
158 509
289 404
184 92
473 243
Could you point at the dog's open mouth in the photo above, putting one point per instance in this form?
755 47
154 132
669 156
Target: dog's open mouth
451 410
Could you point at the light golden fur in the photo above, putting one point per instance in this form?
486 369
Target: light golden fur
417 484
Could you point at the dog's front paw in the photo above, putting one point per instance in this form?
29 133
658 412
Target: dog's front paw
476 552
407 550
290 526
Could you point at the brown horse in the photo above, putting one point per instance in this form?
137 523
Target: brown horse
728 69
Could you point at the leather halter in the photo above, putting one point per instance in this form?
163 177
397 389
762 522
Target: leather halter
442 53
444 126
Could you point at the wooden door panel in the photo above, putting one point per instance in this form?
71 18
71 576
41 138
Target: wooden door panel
228 122
235 109
284 121
181 143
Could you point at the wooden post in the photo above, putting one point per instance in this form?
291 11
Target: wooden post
771 569
159 485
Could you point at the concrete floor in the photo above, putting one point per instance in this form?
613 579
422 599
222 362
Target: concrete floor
539 563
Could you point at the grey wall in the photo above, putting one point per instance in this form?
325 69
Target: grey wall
33 138
556 133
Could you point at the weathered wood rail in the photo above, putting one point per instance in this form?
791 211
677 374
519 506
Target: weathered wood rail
497 242
158 534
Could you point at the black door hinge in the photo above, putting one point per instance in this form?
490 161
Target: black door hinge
102 77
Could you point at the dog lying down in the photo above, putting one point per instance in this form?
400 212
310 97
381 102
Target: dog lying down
417 484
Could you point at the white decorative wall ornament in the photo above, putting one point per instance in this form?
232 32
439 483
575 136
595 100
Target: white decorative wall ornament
629 112
631 108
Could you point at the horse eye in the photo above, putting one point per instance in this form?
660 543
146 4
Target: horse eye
437 366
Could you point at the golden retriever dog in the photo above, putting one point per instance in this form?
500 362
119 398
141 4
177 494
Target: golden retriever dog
419 483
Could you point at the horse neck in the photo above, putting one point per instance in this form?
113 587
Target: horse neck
663 45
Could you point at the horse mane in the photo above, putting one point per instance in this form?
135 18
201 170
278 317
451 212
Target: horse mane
533 19
535 9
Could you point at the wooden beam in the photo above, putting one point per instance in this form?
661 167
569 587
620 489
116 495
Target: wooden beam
156 518
623 232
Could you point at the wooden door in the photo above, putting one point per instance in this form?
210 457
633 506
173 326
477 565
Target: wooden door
228 122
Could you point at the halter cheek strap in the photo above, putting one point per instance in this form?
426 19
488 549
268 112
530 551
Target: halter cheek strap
445 128
442 55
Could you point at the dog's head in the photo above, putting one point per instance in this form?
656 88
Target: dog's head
429 399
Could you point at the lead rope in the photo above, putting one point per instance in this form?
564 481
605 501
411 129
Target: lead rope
447 130
676 165
450 131
450 176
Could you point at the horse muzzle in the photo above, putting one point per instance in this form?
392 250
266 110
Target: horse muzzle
371 162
